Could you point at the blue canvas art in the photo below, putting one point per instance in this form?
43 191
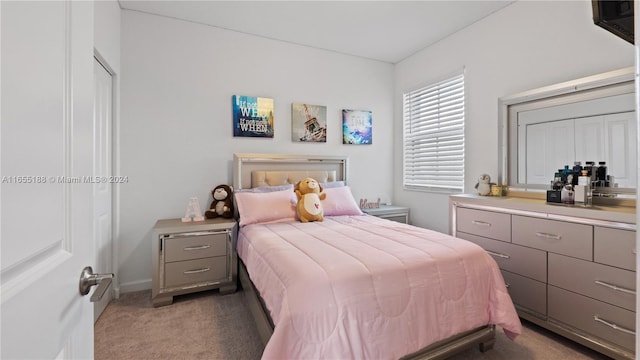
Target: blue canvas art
356 127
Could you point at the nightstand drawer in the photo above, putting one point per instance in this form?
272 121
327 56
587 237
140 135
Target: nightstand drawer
397 218
181 247
615 247
196 271
484 223
554 236
390 212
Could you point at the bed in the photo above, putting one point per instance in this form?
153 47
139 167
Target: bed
354 285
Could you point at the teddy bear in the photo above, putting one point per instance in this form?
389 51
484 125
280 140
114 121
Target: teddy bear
222 204
309 193
483 186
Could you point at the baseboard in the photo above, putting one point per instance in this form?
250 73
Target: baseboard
133 286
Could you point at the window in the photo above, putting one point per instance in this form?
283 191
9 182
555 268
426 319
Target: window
434 137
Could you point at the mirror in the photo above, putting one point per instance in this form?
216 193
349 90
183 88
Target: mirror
589 119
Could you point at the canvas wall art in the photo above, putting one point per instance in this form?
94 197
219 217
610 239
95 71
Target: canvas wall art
356 127
252 116
308 123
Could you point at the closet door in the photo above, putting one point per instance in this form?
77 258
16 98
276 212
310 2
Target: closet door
620 135
608 138
590 139
549 147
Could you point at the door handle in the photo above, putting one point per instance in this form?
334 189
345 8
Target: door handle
89 279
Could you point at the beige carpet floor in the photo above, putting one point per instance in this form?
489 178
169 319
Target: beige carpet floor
208 325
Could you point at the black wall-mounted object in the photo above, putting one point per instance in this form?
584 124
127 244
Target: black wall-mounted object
615 16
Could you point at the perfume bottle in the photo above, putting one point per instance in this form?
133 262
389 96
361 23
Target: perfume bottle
577 170
601 175
582 191
557 182
589 168
584 178
567 194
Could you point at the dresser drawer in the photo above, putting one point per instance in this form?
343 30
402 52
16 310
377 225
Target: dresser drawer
590 316
196 271
527 294
614 247
555 236
601 282
186 247
518 259
484 223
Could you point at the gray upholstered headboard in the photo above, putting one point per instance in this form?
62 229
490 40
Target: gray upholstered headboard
254 170
274 178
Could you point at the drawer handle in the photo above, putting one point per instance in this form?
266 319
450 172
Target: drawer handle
548 236
615 287
197 271
481 223
201 247
507 285
613 326
498 254
192 234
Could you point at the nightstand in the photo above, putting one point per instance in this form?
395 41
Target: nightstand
192 256
391 212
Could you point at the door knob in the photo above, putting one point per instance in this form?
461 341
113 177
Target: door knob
89 279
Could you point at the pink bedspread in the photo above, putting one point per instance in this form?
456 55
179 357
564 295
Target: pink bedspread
368 288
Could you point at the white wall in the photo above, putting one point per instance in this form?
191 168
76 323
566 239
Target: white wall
176 137
107 32
526 45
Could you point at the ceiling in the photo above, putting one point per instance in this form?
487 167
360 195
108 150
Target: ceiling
388 31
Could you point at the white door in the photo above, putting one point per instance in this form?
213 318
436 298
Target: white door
608 138
549 147
46 144
102 166
590 139
621 135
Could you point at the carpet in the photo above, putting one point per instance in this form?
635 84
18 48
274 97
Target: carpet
208 325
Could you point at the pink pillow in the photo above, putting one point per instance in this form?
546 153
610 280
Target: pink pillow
340 201
269 207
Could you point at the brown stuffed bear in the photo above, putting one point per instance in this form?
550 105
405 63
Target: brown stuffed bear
309 193
222 204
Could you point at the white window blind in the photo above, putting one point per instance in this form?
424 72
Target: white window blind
434 137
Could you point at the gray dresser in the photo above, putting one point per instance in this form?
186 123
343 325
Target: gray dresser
571 270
